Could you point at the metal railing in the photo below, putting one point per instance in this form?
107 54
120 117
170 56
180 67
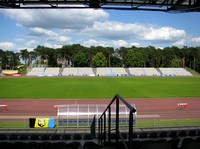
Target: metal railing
104 123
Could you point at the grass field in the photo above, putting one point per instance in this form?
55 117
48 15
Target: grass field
104 87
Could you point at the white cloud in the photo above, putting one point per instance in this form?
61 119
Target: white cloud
188 41
119 43
122 31
31 43
89 27
163 34
62 40
111 30
179 43
92 42
135 44
43 35
7 46
195 41
41 32
112 43
52 18
50 45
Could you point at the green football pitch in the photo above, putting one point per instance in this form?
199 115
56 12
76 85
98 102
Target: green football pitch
98 87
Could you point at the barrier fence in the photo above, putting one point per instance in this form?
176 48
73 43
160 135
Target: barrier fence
147 119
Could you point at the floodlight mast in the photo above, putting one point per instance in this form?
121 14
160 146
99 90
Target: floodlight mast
148 5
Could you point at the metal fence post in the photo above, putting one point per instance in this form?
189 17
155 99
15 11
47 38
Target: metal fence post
109 125
104 128
130 129
99 131
117 122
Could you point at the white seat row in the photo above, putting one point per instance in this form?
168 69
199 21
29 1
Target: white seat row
119 71
103 71
174 72
75 71
137 72
70 71
51 71
85 71
182 72
151 72
36 71
108 71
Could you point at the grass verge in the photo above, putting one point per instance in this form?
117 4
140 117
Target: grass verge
140 124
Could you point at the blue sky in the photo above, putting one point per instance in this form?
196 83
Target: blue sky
25 29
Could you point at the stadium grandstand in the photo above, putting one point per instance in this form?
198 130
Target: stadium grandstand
108 71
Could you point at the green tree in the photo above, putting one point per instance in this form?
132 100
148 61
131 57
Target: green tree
193 53
122 51
134 59
32 56
25 56
80 60
115 61
168 56
99 60
1 59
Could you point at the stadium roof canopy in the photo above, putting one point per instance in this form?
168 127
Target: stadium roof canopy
151 5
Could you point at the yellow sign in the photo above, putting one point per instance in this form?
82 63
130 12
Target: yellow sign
41 122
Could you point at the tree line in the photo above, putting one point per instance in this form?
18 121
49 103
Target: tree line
77 55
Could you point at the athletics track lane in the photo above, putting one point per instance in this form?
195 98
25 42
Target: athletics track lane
164 107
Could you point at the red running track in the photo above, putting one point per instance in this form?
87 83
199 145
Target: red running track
164 107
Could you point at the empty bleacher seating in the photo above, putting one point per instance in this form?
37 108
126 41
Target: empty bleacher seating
137 72
70 71
103 71
119 71
151 72
36 71
51 71
66 137
190 143
161 144
162 138
91 145
85 71
167 72
181 72
174 72
108 71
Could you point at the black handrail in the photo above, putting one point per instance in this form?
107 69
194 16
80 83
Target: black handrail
102 120
93 127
